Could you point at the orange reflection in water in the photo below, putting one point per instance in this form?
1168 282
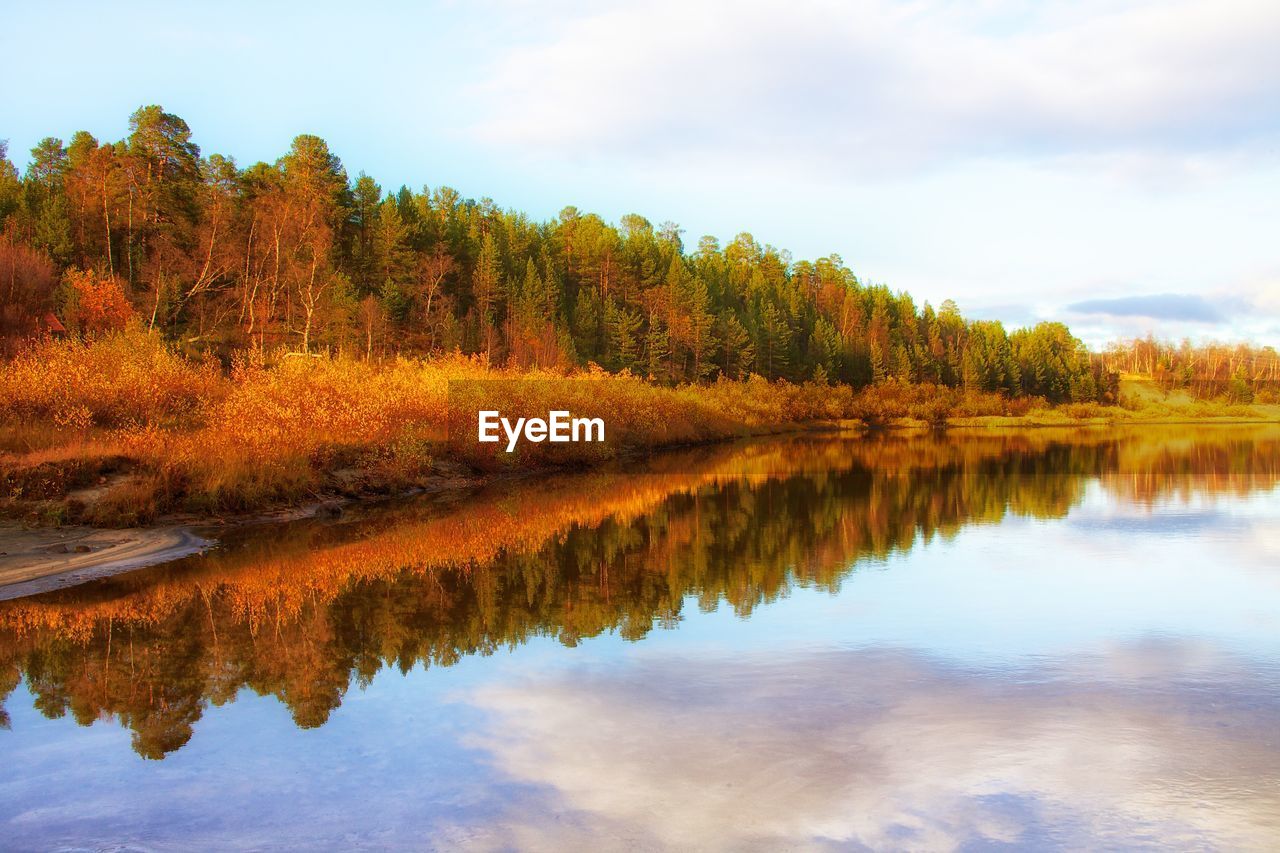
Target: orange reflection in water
299 611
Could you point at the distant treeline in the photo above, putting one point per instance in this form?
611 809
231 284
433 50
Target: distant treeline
296 254
1239 372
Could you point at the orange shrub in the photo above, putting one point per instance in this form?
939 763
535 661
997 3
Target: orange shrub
128 378
95 303
281 426
933 403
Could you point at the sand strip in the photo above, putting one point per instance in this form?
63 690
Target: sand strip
40 560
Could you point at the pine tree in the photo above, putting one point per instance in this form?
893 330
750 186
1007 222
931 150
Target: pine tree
773 343
391 253
658 351
485 281
623 329
737 352
701 343
586 326
826 346
366 196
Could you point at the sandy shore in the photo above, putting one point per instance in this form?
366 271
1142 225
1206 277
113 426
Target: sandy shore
39 560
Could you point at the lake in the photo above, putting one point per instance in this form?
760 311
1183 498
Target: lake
1040 638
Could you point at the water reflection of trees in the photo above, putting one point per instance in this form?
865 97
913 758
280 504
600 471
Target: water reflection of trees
302 610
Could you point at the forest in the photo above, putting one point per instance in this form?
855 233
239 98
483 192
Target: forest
298 255
181 334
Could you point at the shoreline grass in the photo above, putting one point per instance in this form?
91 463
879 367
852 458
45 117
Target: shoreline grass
123 431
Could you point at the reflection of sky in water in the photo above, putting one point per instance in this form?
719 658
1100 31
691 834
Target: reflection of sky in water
894 748
1027 587
1110 678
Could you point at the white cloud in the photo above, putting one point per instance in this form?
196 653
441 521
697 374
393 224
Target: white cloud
1003 152
865 86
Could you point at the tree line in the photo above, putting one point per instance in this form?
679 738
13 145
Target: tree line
297 254
1240 372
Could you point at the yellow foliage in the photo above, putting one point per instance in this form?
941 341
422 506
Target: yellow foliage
271 427
125 379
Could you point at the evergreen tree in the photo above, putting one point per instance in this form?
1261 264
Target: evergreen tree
773 342
737 351
623 327
485 282
658 351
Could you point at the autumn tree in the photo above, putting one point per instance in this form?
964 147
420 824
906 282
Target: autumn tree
27 279
315 206
293 253
94 303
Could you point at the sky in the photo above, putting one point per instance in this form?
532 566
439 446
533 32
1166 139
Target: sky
1114 164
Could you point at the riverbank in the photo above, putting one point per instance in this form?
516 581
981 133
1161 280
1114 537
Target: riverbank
90 484
40 559
323 546
1120 418
125 433
465 512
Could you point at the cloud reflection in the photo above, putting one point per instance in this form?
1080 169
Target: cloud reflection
1162 740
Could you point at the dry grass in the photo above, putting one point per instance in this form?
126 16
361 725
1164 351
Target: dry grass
274 428
934 404
147 432
120 380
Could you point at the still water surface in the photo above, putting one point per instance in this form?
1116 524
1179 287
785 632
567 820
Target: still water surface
1034 639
